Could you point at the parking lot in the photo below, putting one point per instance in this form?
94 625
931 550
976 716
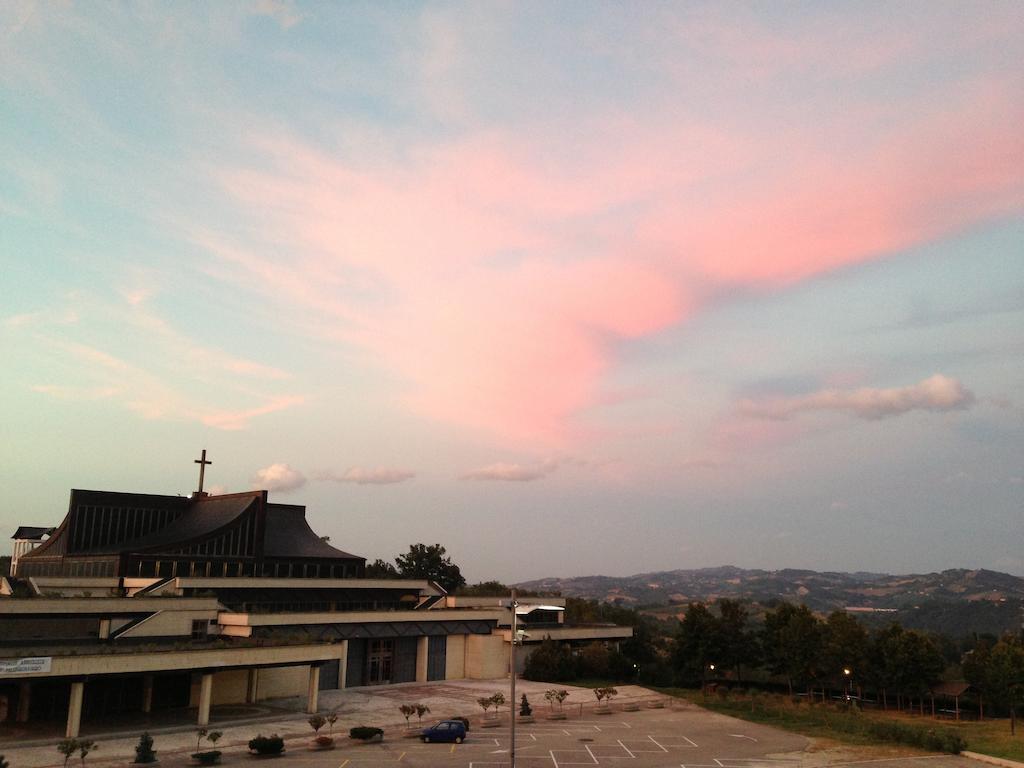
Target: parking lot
688 739
680 734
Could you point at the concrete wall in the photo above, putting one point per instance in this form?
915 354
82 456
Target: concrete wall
455 658
230 686
279 682
486 657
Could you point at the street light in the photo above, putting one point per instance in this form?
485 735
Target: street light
847 671
512 683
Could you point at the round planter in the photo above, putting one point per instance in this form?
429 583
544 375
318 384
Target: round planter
319 745
525 718
656 705
412 733
211 757
605 710
557 716
491 722
631 707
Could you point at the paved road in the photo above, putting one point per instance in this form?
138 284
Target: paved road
690 738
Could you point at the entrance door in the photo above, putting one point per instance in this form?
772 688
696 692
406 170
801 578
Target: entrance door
380 658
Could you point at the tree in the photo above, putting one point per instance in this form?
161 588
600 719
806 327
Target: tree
698 644
844 647
485 589
380 569
737 644
884 662
1006 676
430 562
791 640
594 660
922 664
975 667
550 662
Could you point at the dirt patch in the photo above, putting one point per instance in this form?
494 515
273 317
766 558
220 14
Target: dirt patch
829 751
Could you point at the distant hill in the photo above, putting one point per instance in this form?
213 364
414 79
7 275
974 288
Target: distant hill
954 602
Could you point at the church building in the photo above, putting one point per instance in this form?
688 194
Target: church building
139 602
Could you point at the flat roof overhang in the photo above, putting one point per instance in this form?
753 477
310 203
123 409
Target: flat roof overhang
232 619
183 661
571 633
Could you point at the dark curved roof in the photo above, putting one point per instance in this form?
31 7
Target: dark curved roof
289 535
204 517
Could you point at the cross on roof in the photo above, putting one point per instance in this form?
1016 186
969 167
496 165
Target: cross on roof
202 462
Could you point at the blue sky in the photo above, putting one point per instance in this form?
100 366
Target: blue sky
642 288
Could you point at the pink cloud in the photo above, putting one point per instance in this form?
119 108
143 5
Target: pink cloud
497 278
511 472
364 476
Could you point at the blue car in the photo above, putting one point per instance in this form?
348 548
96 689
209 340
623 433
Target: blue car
446 730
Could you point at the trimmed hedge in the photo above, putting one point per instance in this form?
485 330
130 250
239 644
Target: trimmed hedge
267 745
365 732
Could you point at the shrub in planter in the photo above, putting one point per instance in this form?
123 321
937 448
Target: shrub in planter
525 710
266 745
604 699
83 747
208 756
407 710
558 696
144 750
316 722
365 733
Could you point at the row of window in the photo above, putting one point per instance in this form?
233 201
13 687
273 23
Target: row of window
229 568
56 567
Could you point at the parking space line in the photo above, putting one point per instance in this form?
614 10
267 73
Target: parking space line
627 749
592 761
656 742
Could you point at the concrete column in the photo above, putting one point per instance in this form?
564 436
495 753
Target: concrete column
24 700
104 633
75 710
253 686
313 696
421 659
343 665
205 697
147 694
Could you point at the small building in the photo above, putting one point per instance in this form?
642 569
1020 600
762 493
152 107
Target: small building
25 539
140 602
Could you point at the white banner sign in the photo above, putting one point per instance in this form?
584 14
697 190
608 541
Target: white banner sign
25 666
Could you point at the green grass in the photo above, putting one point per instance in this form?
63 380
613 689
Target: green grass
991 737
595 682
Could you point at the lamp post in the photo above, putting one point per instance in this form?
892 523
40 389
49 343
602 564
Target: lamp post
704 685
512 685
847 672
